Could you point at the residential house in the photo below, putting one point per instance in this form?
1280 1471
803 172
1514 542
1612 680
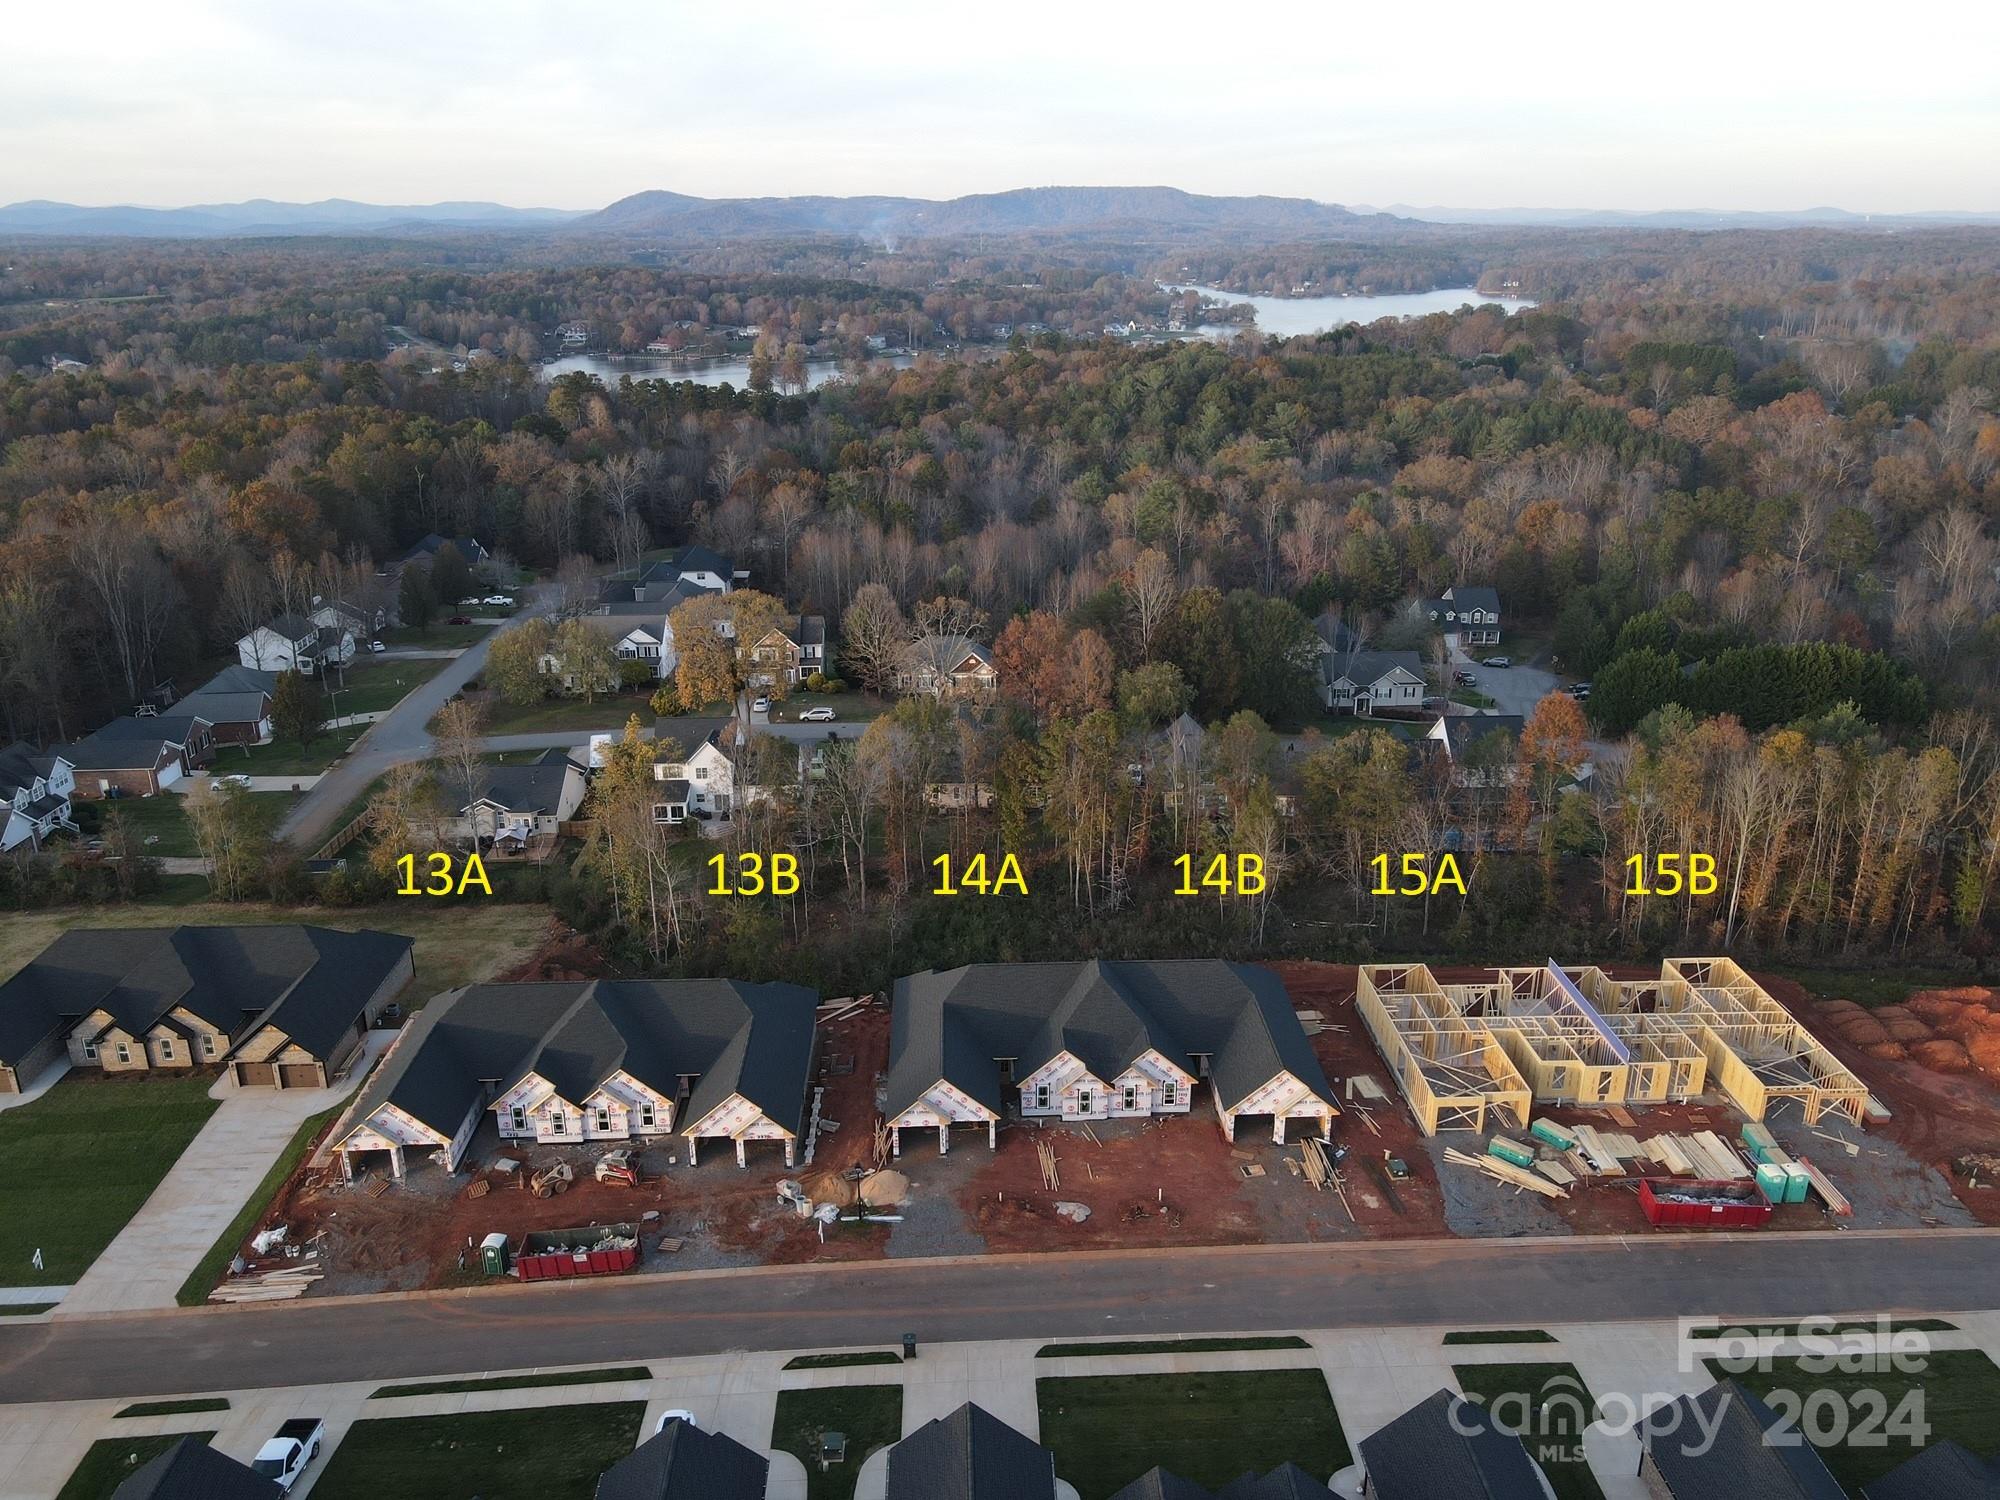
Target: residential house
34 797
294 643
682 1462
137 757
1286 1482
792 654
641 629
1727 1442
701 567
700 782
191 1470
1478 748
523 801
280 1005
1945 1470
573 335
1448 1448
358 620
969 1455
1099 1039
1337 639
423 552
1375 682
590 1060
950 667
1471 613
237 704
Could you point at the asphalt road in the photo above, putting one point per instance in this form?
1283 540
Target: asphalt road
1520 1283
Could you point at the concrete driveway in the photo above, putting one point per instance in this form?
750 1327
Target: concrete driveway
1514 690
165 1240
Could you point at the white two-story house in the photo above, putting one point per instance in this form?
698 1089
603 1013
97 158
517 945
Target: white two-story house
1373 682
1472 613
698 785
34 792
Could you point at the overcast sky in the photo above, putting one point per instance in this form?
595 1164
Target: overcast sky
1694 105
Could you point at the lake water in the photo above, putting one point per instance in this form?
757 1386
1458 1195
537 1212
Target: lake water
1284 317
611 368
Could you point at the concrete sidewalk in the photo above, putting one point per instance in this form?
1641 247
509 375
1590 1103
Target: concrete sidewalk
1374 1375
156 1251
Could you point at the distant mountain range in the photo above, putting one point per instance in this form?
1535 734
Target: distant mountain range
1044 210
261 216
1687 218
679 216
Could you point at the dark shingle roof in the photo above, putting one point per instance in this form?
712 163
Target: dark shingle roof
21 765
240 679
685 1463
534 786
1943 1471
128 743
1475 596
954 1024
310 981
740 1038
1736 1463
227 708
1364 668
430 544
970 1455
191 1470
1158 1484
1286 1482
1447 1448
1466 730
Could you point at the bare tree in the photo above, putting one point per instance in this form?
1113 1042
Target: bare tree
135 594
1150 596
459 749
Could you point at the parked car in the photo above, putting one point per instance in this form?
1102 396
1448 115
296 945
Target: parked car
669 1416
470 603
377 646
761 706
1464 678
500 599
1579 691
1498 661
284 1458
222 782
459 620
820 715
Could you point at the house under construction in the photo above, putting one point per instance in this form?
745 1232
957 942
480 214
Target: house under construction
1577 1036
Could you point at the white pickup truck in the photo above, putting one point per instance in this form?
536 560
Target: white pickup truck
284 1458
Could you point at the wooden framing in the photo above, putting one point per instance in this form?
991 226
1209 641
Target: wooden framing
1577 1036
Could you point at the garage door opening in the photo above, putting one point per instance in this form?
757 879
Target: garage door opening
300 1075
1255 1130
251 1075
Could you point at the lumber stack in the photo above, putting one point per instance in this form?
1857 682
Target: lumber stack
1507 1172
280 1284
1051 1178
1830 1195
1318 1166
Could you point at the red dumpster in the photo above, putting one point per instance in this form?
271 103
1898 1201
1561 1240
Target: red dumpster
598 1250
1703 1205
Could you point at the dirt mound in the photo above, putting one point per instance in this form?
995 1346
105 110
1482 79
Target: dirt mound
1862 1031
1984 1050
1907 1029
1942 1056
1887 1051
1887 1013
564 954
1837 1010
1972 994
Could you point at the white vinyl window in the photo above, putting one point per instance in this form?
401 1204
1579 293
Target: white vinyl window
208 1046
646 1115
90 1052
1041 1096
1170 1094
603 1118
520 1114
557 1123
124 1053
1131 1096
1083 1100
166 1049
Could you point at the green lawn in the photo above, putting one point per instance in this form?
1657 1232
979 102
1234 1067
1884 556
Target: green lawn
514 1382
286 757
555 1453
111 1460
842 1361
547 715
202 1280
870 1415
1107 1430
24 1309
851 707
173 1408
1960 1399
375 686
78 1162
1167 1346
1500 1336
1821 1329
1560 1404
163 819
437 637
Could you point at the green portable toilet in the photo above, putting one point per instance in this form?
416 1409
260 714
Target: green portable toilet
1512 1151
493 1255
1771 1182
1554 1134
1758 1140
1796 1183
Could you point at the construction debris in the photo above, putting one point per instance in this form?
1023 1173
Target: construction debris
279 1284
1076 1213
1506 1171
1051 1178
884 1189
